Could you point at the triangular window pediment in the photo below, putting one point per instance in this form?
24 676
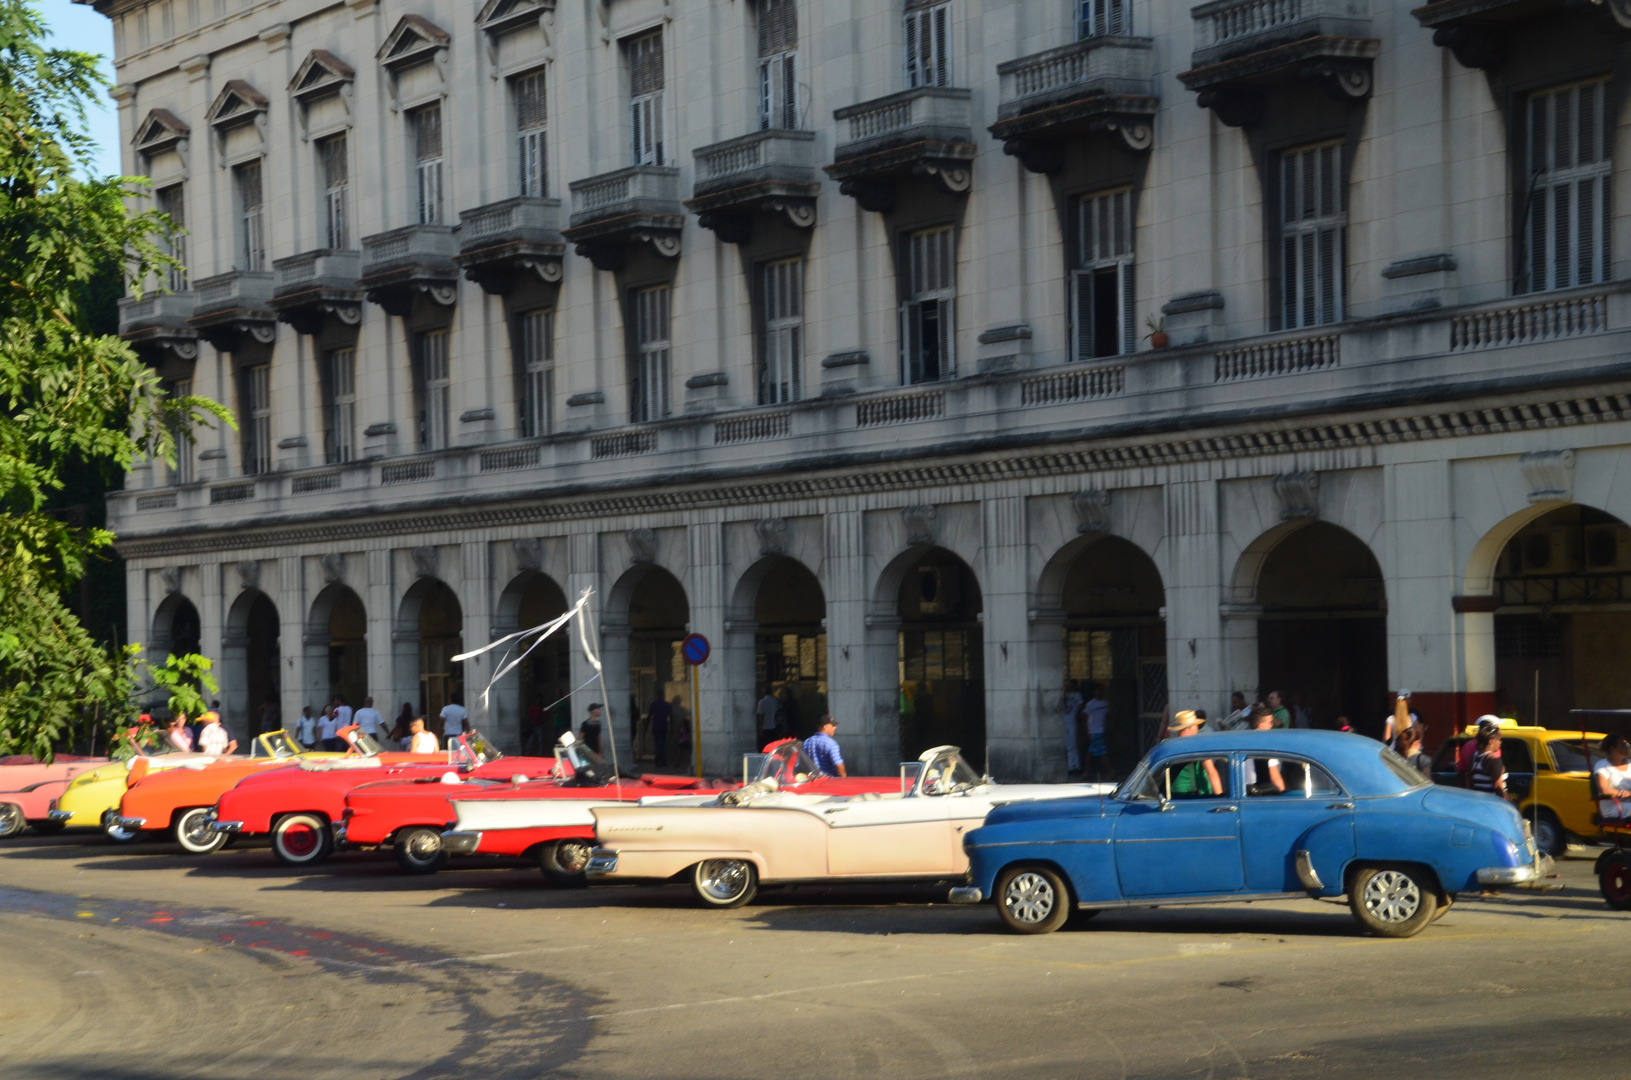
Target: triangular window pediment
414 40
237 103
320 73
501 16
160 130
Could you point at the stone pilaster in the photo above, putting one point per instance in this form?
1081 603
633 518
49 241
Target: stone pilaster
1010 718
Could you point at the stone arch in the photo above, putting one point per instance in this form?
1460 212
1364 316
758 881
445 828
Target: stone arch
335 645
938 661
647 615
251 664
176 630
429 632
776 641
531 706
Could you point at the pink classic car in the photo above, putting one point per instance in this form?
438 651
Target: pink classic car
27 788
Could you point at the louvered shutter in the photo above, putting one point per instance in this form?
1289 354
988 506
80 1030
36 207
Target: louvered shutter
1081 314
1129 327
911 342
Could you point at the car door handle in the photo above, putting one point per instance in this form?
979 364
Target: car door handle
1224 809
1340 806
835 810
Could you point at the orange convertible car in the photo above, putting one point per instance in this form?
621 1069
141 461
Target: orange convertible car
179 800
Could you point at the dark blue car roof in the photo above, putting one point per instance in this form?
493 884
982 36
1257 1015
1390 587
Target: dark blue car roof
1354 760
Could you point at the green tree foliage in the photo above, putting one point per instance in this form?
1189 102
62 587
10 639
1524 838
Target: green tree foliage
68 393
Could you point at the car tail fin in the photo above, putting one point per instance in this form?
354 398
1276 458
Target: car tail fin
138 772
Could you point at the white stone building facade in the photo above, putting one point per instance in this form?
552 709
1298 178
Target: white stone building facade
919 356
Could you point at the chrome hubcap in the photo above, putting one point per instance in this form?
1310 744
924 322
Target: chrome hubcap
195 828
110 823
571 857
1029 898
1392 897
424 846
724 879
11 819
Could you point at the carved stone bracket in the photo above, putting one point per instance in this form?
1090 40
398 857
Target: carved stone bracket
249 574
171 577
397 299
424 561
1299 495
1236 106
874 194
333 567
920 523
1549 474
642 545
528 553
1092 511
772 535
952 176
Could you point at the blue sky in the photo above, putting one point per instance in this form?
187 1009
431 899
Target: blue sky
77 26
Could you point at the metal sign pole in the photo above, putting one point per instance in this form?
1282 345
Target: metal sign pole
696 720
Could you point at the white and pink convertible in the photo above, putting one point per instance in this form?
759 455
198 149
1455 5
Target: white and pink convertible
727 845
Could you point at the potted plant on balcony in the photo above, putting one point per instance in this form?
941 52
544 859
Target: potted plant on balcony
1158 331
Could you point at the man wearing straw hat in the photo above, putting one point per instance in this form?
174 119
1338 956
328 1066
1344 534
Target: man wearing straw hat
1196 777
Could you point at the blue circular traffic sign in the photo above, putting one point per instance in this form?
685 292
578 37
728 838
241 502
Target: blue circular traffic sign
695 649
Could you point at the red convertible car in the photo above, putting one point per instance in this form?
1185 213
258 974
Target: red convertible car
412 814
297 805
552 820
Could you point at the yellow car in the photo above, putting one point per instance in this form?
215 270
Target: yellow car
1547 776
92 798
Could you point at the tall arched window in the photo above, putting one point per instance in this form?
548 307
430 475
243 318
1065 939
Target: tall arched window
928 45
778 64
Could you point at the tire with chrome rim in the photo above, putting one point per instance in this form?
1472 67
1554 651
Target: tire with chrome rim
419 850
12 821
563 863
1392 901
1032 899
194 834
1550 836
725 883
116 832
302 839
1614 880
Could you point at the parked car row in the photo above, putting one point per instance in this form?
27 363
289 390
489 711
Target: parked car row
1237 816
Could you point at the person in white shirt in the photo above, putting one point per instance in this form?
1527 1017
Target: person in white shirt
326 729
422 741
369 719
453 716
768 710
215 739
1263 720
342 713
1096 710
305 729
1611 779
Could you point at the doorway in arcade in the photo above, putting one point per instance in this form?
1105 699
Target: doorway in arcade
1563 624
544 676
1322 636
441 638
1115 636
940 651
658 615
347 649
790 645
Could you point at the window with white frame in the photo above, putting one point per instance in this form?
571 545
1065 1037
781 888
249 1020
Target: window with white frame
342 406
778 64
532 137
1313 235
258 436
1103 17
336 182
427 149
1571 169
434 384
651 363
927 317
535 334
172 201
1101 286
183 472
645 55
251 217
781 375
928 45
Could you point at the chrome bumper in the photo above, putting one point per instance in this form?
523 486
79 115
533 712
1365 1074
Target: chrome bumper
226 826
455 842
601 861
339 834
130 822
60 815
964 894
1528 876
1305 872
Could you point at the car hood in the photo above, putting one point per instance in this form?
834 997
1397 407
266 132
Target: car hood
1490 811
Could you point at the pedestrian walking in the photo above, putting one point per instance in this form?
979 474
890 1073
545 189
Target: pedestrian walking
326 729
768 708
658 715
1071 718
679 729
342 713
215 739
591 728
1400 718
1488 771
1611 779
453 719
305 729
1277 705
420 739
1410 749
1238 718
404 720
271 716
368 719
1487 724
1097 712
823 748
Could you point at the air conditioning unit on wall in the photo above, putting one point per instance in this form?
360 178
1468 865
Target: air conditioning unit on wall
1547 550
1607 547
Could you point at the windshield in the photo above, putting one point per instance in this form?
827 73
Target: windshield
1405 771
277 744
946 774
788 764
1570 756
583 767
484 750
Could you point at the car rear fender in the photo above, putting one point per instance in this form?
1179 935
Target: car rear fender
1330 847
1453 850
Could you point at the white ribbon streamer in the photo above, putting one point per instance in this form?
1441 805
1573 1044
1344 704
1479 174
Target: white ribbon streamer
544 630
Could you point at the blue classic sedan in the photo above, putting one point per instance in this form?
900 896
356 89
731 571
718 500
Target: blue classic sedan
1253 815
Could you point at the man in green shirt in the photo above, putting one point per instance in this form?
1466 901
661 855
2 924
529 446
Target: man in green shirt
1282 715
1196 779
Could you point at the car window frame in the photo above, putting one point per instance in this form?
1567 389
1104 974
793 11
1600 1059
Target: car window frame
1254 755
1180 760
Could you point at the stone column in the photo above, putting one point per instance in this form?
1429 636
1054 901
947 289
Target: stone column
1196 666
293 659
705 592
378 601
476 597
867 725
583 572
1011 729
1417 554
1044 698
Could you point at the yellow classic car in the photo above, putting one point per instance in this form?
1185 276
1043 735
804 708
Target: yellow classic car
92 798
1547 776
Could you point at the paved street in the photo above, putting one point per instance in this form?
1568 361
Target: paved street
143 963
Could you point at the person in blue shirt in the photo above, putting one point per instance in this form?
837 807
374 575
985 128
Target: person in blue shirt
823 748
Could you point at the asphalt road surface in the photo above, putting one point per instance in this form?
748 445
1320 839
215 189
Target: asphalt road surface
143 963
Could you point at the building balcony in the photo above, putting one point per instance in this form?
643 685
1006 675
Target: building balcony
234 308
1480 32
1099 85
159 321
618 210
404 264
767 172
509 240
310 288
1242 46
924 132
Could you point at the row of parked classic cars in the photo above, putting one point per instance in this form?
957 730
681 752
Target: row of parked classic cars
1281 814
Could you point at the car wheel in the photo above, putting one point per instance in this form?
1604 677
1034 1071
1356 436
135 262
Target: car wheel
1614 880
564 862
1392 901
302 840
49 827
725 883
1032 899
116 832
419 850
12 821
194 834
1549 834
